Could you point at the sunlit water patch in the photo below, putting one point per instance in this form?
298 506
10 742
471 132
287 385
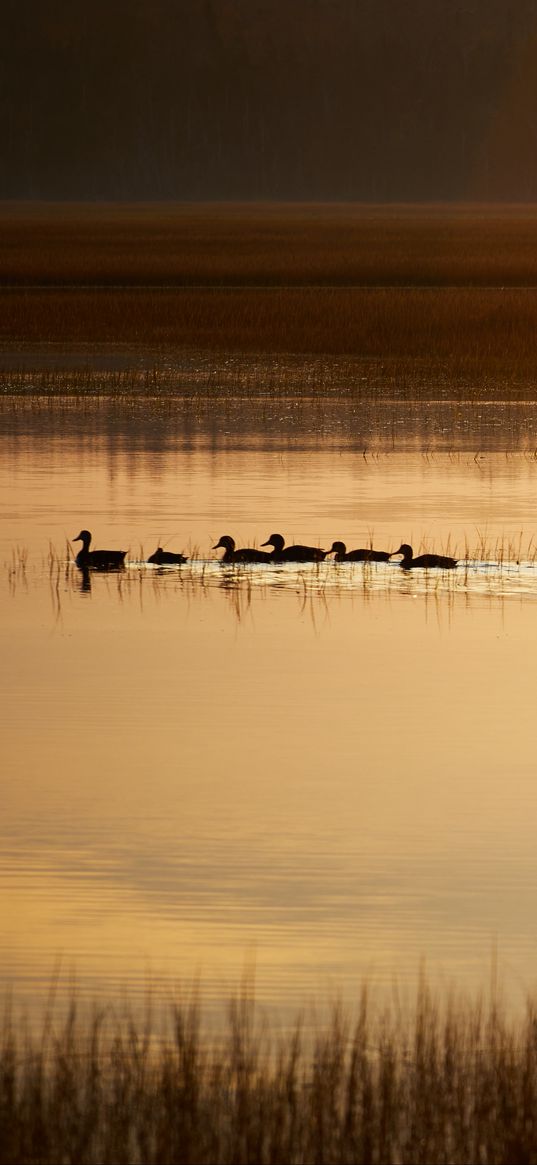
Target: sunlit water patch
184 417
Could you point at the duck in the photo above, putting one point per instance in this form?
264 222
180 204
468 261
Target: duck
166 558
444 561
283 553
341 554
97 559
243 555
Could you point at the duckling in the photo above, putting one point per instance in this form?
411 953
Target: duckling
441 560
341 554
282 553
97 559
166 558
243 555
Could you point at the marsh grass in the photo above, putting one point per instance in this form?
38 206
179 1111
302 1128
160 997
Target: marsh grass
469 334
420 291
492 567
444 1080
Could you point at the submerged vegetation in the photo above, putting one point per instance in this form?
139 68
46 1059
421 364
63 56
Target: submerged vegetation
447 1080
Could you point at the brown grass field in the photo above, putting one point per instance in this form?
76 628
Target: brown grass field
452 1082
451 288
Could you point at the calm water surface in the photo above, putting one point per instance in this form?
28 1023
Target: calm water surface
332 769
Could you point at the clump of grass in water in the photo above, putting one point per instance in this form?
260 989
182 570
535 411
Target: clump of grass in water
502 552
455 1081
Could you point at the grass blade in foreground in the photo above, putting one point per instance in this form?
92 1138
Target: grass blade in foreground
456 1082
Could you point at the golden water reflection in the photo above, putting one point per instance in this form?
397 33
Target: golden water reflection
344 785
334 767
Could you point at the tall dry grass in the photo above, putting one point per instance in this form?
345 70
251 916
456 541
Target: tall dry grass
421 291
477 333
452 1082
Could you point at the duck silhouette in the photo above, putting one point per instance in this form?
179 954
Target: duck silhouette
244 554
444 561
297 553
97 559
167 558
341 554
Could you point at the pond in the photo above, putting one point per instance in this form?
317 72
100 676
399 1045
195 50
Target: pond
326 770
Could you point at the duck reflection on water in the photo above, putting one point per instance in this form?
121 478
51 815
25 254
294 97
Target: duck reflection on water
85 580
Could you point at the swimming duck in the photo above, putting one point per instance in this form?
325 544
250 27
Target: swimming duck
166 558
282 553
441 560
341 554
243 555
97 559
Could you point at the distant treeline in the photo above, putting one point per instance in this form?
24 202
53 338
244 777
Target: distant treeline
253 99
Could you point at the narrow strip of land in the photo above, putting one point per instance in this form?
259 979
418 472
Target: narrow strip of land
347 245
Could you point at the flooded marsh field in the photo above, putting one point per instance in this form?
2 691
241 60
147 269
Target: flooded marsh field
328 764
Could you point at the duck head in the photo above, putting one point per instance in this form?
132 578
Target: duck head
337 548
227 542
276 541
84 537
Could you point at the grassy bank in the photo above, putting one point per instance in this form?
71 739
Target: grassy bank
445 290
456 1082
